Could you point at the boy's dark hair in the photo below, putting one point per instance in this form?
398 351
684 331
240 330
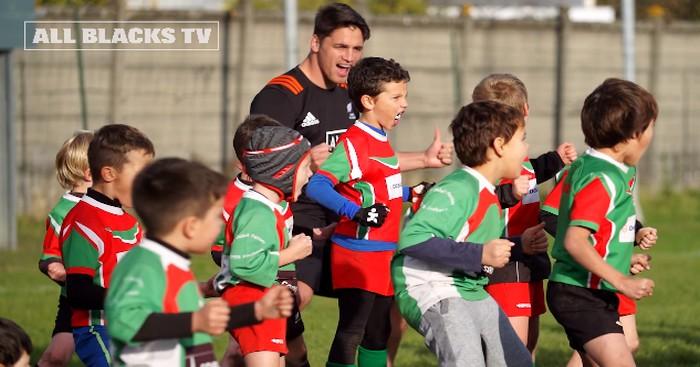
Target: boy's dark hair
478 124
338 15
13 341
616 111
370 74
504 88
245 131
110 145
173 188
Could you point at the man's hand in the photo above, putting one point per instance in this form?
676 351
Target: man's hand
372 216
212 318
646 237
567 152
319 154
324 233
438 154
496 253
636 288
521 186
640 263
57 272
207 288
300 246
534 240
276 303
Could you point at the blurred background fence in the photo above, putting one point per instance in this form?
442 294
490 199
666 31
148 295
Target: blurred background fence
189 103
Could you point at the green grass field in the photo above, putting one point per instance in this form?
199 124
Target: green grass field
669 322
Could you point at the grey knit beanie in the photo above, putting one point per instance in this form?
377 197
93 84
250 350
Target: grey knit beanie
273 156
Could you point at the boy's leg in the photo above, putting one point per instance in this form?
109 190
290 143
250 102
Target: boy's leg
398 328
61 348
354 308
263 359
629 325
297 356
92 345
502 346
452 334
609 350
521 326
533 334
372 351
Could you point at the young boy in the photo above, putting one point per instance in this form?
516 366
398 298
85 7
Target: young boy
518 287
365 171
153 307
645 238
73 174
596 224
97 232
444 251
255 256
15 345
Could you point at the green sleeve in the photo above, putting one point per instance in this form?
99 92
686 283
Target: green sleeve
254 255
80 256
136 291
346 162
442 214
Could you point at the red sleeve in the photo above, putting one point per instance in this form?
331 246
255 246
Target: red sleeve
590 205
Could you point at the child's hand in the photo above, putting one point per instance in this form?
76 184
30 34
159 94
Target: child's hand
521 186
639 263
646 238
322 234
57 272
372 216
496 253
438 154
534 240
319 154
636 288
212 318
276 303
300 245
567 152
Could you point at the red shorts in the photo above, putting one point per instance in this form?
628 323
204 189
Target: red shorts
519 299
269 335
627 305
369 271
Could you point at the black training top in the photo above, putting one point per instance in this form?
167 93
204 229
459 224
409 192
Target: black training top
320 115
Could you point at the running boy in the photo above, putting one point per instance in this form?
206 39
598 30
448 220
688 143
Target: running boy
256 257
439 269
596 224
98 232
153 307
73 174
518 287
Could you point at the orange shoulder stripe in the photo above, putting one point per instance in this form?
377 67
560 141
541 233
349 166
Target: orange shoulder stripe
288 82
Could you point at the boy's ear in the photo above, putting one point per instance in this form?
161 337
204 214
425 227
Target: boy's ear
87 175
190 227
367 102
315 44
526 110
108 173
498 145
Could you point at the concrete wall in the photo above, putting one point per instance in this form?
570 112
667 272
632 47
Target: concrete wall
175 97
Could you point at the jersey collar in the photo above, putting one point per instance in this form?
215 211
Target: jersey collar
596 154
74 197
167 252
252 194
370 130
102 201
241 184
483 182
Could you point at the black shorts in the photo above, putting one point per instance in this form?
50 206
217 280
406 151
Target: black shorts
295 324
63 315
584 313
315 269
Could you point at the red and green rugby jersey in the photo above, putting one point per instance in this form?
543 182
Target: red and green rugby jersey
51 248
234 193
526 213
597 195
256 233
462 206
365 170
94 236
551 202
152 278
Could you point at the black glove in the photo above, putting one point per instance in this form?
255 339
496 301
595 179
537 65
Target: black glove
372 216
417 193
